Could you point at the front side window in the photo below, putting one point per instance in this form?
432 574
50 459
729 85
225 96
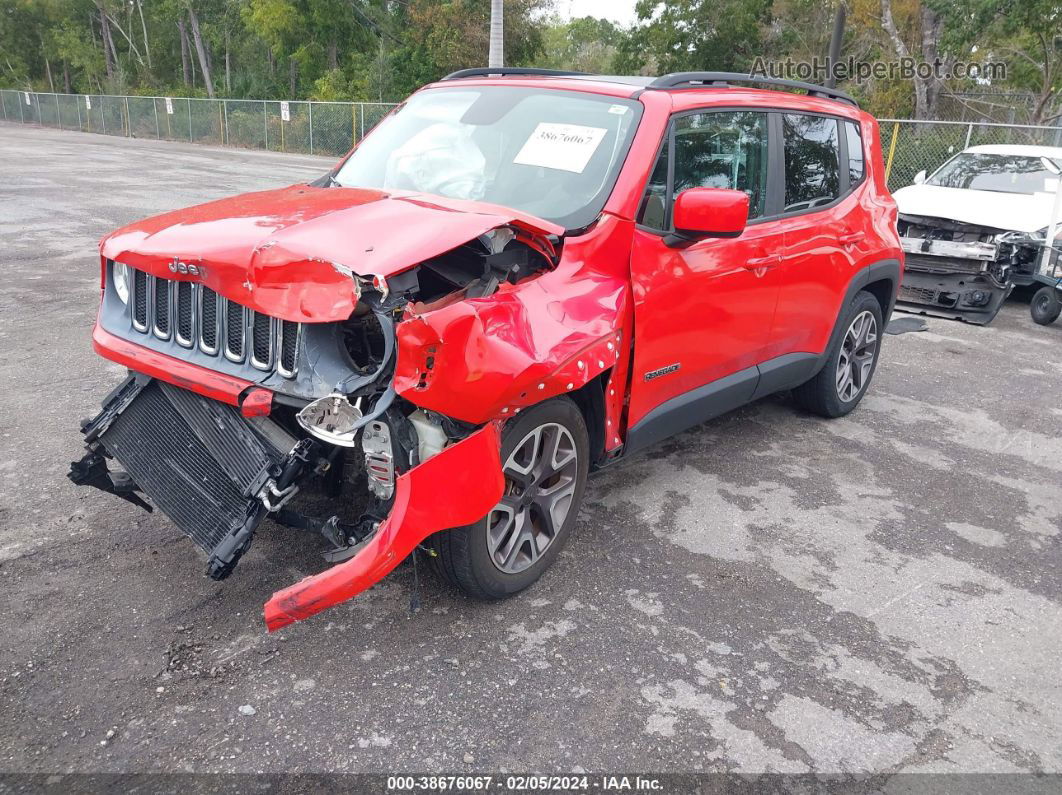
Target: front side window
723 150
711 150
554 154
812 176
999 173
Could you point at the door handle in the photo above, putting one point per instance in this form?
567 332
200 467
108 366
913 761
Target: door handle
850 238
763 262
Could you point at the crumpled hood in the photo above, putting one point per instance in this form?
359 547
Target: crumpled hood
289 253
1010 211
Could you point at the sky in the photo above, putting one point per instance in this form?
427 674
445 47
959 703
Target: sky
621 11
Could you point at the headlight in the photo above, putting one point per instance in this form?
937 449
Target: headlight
333 418
120 277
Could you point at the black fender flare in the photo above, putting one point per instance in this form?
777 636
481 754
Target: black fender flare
889 270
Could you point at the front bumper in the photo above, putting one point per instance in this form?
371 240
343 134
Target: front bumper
209 383
974 298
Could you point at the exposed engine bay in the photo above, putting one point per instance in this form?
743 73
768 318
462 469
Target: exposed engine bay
962 271
333 420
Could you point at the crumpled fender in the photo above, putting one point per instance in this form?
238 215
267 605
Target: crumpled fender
486 358
456 487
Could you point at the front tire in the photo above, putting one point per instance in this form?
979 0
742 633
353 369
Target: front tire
545 457
1045 307
850 362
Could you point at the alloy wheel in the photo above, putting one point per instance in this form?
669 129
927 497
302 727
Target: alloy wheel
541 474
856 360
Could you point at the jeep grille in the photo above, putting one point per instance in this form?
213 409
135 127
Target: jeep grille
194 316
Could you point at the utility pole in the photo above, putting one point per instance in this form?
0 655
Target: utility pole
835 44
496 56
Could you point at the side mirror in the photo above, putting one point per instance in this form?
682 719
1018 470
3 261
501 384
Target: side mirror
710 212
920 177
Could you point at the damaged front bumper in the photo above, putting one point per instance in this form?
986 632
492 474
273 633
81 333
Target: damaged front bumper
454 488
962 271
953 279
218 473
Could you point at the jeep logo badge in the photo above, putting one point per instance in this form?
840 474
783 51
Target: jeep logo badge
183 267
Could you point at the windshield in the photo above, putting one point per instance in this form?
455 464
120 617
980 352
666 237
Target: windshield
1001 173
554 154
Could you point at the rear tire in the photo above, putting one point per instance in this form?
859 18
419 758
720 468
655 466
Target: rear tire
545 454
850 361
1046 306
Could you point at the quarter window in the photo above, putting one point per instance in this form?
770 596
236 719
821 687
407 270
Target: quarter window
812 176
654 205
855 152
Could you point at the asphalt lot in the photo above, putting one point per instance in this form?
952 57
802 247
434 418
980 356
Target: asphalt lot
768 592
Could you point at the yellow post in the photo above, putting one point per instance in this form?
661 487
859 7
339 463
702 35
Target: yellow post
353 123
282 148
221 122
892 149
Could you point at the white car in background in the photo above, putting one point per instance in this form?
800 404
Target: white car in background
975 228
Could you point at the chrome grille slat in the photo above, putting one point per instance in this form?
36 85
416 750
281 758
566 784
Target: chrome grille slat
235 331
195 316
263 333
288 339
208 321
161 306
184 313
139 301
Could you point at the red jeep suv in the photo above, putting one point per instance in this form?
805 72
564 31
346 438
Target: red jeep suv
518 277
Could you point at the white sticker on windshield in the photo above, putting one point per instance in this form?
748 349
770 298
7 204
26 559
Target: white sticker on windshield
619 110
566 147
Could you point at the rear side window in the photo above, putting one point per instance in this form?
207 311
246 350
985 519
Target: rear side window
855 152
723 150
812 175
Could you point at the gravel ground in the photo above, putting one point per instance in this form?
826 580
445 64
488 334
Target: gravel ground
767 592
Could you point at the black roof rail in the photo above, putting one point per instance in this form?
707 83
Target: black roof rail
502 71
723 79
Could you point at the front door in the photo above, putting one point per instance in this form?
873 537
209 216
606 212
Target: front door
703 311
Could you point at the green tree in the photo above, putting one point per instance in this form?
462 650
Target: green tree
686 35
1024 34
584 45
442 36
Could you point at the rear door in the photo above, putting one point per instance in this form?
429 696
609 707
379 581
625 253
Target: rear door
825 228
703 310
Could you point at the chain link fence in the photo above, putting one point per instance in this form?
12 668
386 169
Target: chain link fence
316 128
910 146
332 128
